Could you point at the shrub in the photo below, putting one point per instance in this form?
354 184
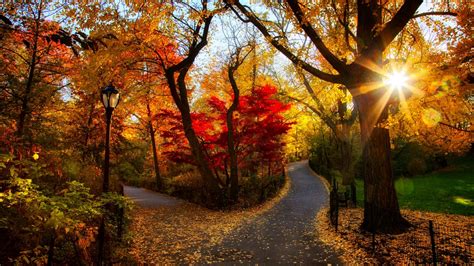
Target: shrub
61 222
416 166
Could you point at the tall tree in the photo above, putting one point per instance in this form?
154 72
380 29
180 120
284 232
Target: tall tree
195 39
34 62
236 60
369 27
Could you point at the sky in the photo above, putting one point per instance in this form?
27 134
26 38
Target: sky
218 45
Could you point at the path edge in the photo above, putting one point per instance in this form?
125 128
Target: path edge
323 180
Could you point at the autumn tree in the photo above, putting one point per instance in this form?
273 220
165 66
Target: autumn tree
149 95
367 28
34 62
257 125
236 60
193 25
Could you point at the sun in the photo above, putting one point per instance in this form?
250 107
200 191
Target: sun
397 80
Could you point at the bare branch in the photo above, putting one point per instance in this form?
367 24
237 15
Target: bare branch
394 26
456 128
435 13
313 35
284 50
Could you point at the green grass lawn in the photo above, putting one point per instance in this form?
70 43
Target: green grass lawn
449 190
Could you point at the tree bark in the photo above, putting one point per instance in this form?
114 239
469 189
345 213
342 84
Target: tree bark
234 170
153 147
381 209
212 191
343 137
88 128
177 85
346 162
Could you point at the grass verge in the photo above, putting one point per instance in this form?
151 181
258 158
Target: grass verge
449 190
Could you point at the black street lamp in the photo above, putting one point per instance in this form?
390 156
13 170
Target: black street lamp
110 99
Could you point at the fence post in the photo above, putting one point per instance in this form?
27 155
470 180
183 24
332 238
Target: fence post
51 249
337 214
433 244
373 238
121 216
333 205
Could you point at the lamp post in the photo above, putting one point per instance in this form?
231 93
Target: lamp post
110 99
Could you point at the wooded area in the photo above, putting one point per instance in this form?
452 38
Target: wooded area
209 100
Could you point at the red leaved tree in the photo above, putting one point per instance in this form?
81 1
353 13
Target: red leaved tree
258 126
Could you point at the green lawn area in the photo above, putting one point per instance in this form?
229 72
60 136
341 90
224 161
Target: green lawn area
449 190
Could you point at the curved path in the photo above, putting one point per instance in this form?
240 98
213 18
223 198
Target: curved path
150 199
283 235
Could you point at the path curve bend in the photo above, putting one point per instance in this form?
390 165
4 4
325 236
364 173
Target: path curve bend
286 233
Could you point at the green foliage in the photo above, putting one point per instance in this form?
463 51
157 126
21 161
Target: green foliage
33 219
255 190
131 162
320 156
411 158
325 157
128 172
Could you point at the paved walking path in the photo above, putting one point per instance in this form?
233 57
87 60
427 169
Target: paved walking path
150 199
285 234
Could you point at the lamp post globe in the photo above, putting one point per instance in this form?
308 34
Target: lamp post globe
110 97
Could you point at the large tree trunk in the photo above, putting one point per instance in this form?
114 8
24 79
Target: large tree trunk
153 147
176 79
381 209
212 189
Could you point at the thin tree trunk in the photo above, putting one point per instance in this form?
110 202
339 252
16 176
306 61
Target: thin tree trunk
153 147
179 92
346 162
88 129
234 170
24 111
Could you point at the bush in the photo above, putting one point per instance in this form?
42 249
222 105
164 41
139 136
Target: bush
416 166
36 221
410 159
255 190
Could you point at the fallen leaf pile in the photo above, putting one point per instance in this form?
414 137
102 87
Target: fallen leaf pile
453 237
176 235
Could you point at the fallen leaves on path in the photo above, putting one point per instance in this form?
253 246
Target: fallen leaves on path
411 247
177 234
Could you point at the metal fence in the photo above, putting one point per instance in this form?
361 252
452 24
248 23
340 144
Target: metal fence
441 244
427 242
